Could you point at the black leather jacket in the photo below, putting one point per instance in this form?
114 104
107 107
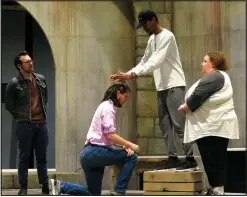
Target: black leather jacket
18 96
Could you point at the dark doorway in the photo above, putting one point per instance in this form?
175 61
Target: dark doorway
20 31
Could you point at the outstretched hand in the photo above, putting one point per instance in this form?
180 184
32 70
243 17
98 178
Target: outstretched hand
121 75
113 77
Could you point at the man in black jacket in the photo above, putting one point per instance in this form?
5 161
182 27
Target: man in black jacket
26 99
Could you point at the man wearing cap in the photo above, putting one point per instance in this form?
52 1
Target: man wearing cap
162 58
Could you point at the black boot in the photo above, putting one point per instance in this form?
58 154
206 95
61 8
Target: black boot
45 189
189 165
172 163
22 192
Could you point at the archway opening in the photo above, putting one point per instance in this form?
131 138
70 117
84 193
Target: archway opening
20 31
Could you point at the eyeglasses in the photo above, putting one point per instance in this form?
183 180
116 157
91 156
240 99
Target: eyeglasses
28 62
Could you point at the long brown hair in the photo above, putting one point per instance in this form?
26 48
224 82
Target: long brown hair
111 92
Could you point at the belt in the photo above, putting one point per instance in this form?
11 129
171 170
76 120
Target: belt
89 144
86 145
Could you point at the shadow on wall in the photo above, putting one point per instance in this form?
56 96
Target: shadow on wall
127 9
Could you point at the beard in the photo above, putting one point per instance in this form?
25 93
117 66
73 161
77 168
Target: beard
148 32
28 70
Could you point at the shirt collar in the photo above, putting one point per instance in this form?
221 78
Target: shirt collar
111 102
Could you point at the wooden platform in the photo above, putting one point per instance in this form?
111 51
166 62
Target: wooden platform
162 182
144 163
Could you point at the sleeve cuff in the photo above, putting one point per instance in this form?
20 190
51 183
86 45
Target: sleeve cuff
190 105
130 71
137 72
112 130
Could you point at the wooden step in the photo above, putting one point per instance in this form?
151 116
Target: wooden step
167 176
158 158
144 163
161 182
173 187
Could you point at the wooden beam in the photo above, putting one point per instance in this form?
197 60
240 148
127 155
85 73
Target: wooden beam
172 187
166 176
13 8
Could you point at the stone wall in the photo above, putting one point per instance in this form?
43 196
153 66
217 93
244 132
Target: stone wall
149 136
199 27
204 26
233 36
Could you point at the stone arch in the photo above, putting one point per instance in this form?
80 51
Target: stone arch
24 33
37 20
85 54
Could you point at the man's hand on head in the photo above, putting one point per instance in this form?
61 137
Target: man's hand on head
113 77
123 76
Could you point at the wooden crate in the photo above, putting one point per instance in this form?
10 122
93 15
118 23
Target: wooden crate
144 163
162 182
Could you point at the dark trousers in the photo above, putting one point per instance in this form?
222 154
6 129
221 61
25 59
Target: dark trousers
32 135
95 158
213 152
172 121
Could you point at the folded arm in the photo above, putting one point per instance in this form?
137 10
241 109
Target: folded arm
108 124
116 139
207 86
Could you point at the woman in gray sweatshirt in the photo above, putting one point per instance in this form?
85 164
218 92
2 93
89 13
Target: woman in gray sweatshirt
211 119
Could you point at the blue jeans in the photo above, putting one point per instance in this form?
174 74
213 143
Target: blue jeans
73 189
95 158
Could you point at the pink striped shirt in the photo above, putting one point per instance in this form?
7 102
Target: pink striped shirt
104 121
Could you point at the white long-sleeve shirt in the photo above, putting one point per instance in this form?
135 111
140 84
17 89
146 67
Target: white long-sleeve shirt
162 57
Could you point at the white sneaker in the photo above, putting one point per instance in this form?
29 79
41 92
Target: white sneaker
54 187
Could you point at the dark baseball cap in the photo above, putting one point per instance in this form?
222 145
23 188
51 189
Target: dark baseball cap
144 15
